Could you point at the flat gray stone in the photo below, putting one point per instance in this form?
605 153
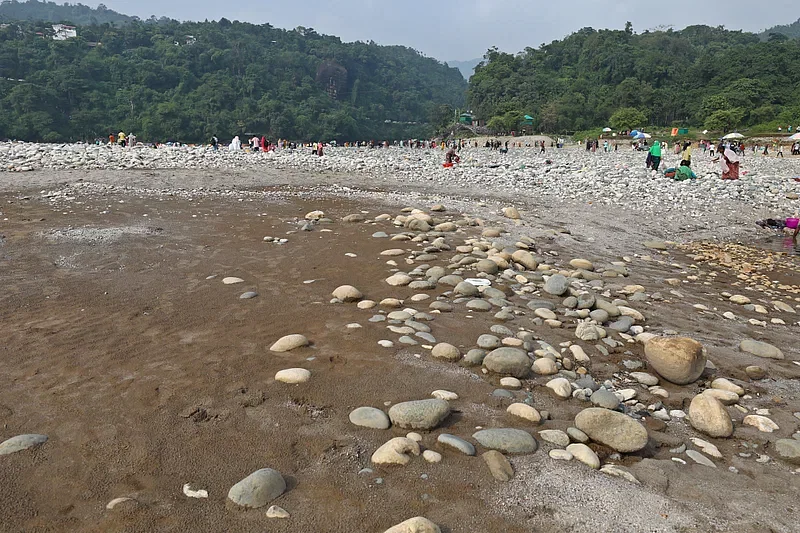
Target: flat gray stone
249 295
606 400
457 443
506 440
475 357
21 442
761 349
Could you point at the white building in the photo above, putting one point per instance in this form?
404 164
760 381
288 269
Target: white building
63 32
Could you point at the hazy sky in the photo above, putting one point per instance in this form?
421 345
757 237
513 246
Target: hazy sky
465 29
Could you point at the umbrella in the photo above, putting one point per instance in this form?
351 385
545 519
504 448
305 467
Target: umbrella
606 130
734 136
795 137
634 133
643 136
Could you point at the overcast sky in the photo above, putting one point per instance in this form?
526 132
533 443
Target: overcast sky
465 29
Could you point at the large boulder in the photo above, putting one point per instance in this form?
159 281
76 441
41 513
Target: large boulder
508 361
419 414
677 359
707 414
613 429
258 489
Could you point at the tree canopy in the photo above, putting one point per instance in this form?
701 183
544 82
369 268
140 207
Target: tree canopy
675 78
188 81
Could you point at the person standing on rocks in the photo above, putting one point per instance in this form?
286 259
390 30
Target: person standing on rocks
686 155
214 142
655 155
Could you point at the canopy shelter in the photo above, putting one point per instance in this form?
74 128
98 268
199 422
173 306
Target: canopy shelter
734 136
641 135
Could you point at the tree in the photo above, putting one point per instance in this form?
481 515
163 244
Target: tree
725 120
627 118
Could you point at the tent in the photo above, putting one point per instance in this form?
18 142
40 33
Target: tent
734 136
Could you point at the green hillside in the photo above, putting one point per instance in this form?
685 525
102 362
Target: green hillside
699 76
187 81
32 10
791 31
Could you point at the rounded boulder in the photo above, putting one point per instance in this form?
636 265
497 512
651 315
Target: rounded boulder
613 429
679 360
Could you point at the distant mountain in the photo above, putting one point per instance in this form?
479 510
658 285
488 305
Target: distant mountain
791 31
467 68
32 10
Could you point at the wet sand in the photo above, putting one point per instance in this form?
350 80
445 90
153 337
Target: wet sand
146 375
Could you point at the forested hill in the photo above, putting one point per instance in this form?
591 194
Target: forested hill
32 10
791 31
187 81
699 76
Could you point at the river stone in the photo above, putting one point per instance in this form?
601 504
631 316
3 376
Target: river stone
727 385
488 342
725 397
466 289
760 349
533 305
544 366
450 280
524 411
487 266
232 280
369 417
21 442
561 387
498 465
589 332
508 361
677 359
445 351
556 285
525 259
475 357
645 379
613 429
700 459
755 372
762 423
581 264
399 280
397 451
418 524
788 450
479 305
555 436
293 376
506 440
584 454
249 295
258 489
606 400
419 414
456 443
288 343
708 415
347 293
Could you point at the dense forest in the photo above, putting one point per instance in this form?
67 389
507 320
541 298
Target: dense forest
791 31
699 76
34 11
188 81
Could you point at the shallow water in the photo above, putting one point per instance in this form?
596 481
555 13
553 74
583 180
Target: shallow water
779 243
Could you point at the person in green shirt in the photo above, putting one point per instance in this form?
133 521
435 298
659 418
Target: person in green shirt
655 155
